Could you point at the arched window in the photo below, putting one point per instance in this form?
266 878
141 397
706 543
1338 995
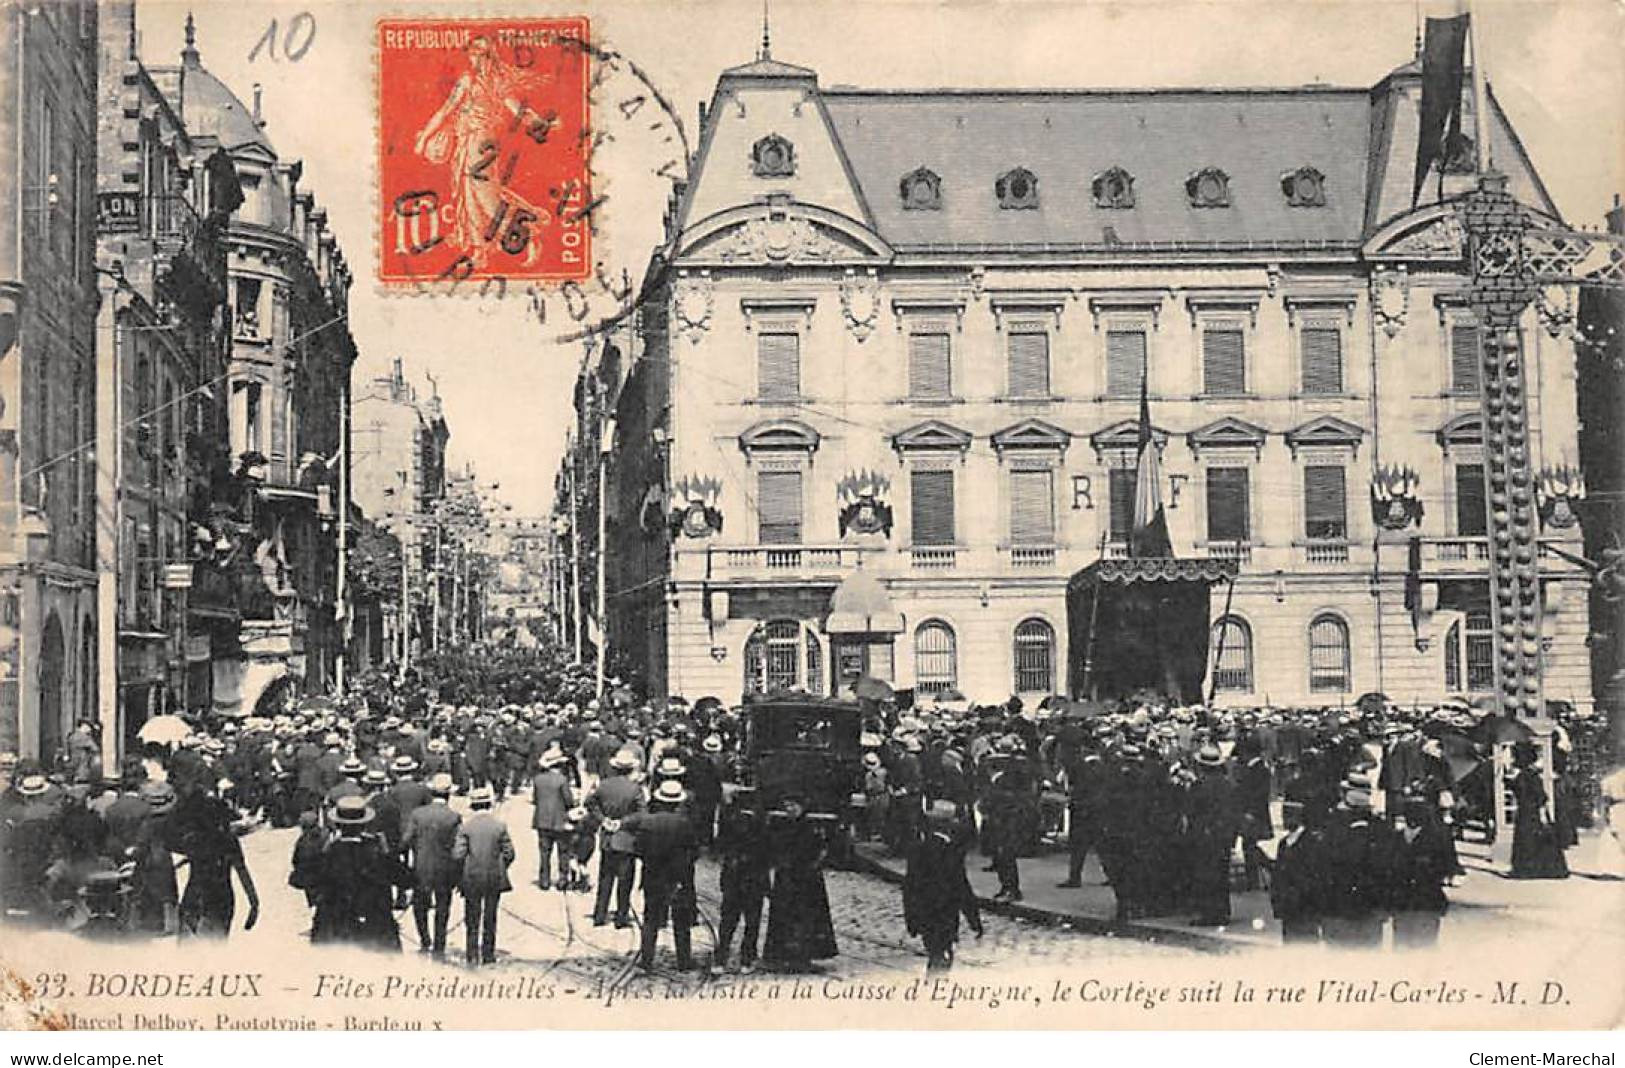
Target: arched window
783 655
1328 654
1232 656
936 665
1035 657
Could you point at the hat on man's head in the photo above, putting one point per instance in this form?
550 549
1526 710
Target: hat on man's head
33 785
482 797
1210 756
159 796
553 757
403 765
441 785
624 760
712 743
375 777
670 767
353 812
670 792
352 767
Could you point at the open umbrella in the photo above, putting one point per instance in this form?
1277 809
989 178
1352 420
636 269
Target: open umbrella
1460 756
707 703
869 688
1371 703
164 730
1493 730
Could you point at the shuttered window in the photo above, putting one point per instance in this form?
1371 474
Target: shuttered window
1227 504
778 507
1123 480
1471 521
1125 362
1322 359
778 366
931 505
1029 364
1223 361
1464 358
929 374
1325 502
1032 508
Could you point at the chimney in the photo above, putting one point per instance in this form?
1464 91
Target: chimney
259 120
1616 217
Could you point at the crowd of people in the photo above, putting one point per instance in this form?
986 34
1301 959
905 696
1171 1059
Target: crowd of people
1349 817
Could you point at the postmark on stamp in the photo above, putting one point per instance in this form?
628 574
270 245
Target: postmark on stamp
483 146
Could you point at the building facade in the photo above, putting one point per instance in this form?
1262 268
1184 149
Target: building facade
398 478
48 634
285 390
162 349
882 401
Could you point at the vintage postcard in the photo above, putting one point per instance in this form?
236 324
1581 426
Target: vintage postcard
606 514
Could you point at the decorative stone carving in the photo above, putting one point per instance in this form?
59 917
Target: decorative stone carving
1113 188
692 304
773 157
921 190
1444 237
1017 188
860 303
1208 188
777 240
1304 188
1391 299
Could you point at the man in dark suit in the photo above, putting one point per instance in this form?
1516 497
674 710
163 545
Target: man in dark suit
485 850
428 837
616 798
936 890
1211 821
665 843
745 878
1088 786
550 793
408 792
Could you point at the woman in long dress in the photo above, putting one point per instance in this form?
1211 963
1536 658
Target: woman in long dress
1536 851
799 928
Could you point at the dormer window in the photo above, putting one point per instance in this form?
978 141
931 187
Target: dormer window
773 157
1304 188
1114 189
1208 188
921 190
1017 189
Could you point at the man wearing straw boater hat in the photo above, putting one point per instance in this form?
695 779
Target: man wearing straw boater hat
550 794
614 799
427 838
485 850
356 882
665 844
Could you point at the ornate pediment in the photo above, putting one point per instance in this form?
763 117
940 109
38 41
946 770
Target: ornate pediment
1325 431
780 434
781 239
1467 429
1032 434
1125 434
932 434
1439 238
1228 433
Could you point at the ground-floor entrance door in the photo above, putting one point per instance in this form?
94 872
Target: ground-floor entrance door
857 655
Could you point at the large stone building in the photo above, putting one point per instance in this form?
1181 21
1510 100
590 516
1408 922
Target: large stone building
47 373
398 478
286 387
889 383
162 347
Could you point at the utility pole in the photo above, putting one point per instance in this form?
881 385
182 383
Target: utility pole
606 441
575 552
341 593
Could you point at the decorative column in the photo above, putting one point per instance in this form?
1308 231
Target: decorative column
1503 286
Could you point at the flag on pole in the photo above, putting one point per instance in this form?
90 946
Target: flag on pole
1443 66
1150 534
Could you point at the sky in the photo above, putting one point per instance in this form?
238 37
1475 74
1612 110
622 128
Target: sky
1557 67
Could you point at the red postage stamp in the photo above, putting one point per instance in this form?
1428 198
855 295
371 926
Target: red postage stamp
482 150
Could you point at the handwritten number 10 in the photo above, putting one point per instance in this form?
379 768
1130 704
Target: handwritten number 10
295 43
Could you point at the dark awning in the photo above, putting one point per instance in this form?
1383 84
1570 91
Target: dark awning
1153 569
